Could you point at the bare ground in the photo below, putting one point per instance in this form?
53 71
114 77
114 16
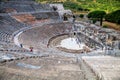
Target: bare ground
112 25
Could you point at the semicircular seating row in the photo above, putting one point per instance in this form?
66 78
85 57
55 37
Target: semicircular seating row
41 35
9 25
22 6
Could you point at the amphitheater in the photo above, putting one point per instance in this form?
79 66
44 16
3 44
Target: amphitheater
37 44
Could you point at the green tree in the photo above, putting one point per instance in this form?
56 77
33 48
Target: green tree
97 15
113 17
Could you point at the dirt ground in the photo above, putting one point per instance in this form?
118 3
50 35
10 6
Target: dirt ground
112 25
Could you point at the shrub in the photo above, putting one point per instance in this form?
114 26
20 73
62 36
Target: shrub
71 5
81 15
105 26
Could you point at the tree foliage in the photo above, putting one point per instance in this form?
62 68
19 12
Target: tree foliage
92 5
72 5
97 15
113 17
